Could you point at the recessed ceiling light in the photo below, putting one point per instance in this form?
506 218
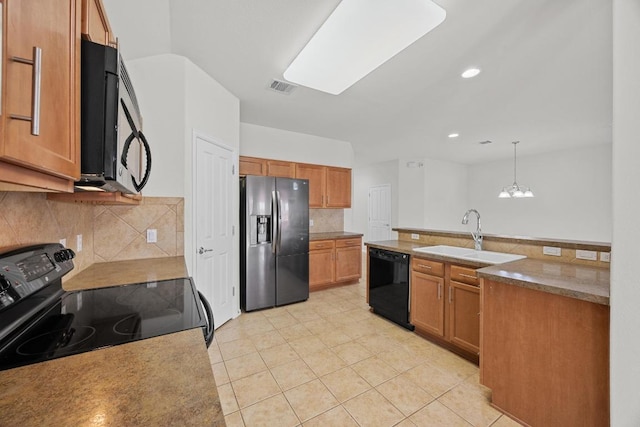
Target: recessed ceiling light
470 72
454 135
358 37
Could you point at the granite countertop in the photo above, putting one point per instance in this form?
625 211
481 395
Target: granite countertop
572 280
165 380
159 381
333 235
103 274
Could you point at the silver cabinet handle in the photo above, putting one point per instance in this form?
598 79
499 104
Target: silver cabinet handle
203 250
424 266
467 276
35 81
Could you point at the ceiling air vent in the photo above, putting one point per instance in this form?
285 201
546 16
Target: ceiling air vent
282 87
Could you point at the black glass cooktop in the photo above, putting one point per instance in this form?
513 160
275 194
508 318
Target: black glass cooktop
91 319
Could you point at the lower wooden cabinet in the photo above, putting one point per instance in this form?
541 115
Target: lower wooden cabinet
334 262
445 305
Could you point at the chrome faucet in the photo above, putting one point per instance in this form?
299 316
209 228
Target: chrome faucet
477 235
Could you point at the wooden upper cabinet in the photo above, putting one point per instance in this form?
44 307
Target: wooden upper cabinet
95 24
252 166
40 121
338 188
281 169
316 176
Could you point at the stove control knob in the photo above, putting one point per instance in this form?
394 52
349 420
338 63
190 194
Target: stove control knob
4 283
64 255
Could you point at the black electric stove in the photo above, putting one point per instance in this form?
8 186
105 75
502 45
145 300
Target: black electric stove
39 321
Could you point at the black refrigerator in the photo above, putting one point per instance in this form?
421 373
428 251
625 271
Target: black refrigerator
274 235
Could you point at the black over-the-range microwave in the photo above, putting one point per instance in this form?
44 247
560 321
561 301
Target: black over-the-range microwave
115 155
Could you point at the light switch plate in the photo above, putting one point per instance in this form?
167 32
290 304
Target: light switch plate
63 242
605 256
590 255
152 235
310 223
415 236
79 243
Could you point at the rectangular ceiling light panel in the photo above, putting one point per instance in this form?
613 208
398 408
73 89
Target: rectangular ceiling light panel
358 37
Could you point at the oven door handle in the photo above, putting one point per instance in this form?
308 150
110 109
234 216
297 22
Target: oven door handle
208 332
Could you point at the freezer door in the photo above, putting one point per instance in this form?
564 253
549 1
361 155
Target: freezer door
293 213
293 279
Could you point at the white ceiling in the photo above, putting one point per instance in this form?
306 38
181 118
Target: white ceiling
546 73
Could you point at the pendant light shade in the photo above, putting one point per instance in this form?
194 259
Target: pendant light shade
514 190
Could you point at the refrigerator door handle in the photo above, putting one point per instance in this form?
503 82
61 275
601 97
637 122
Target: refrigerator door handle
279 220
274 222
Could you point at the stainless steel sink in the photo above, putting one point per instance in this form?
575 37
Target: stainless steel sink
470 254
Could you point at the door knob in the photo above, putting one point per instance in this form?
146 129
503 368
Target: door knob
203 250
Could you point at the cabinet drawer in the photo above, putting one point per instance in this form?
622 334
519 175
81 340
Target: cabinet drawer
434 268
464 275
343 243
321 244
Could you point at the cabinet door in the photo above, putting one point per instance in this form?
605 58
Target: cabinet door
348 263
338 188
464 316
427 303
281 169
252 166
316 176
321 267
95 25
45 87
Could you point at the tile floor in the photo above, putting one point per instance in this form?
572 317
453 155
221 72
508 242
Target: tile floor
330 362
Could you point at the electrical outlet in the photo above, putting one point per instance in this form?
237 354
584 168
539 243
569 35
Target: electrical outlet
152 235
590 255
79 243
551 250
415 236
63 242
605 256
310 223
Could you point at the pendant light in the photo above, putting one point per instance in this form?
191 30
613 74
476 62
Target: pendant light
514 190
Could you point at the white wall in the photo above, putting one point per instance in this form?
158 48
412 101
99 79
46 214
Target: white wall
270 143
410 194
365 178
625 268
160 89
446 195
572 195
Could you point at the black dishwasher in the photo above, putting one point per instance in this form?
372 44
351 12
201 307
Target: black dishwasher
389 285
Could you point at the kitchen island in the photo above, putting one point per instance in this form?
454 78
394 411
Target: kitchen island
165 380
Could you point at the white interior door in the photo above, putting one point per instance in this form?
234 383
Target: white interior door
214 227
380 212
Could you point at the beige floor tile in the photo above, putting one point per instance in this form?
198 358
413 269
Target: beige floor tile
255 388
267 340
233 349
437 415
374 370
471 403
234 420
432 380
404 394
258 328
292 374
310 399
345 383
323 362
278 355
352 352
400 359
372 409
228 333
227 399
319 326
274 411
375 343
505 421
214 354
307 345
404 423
304 314
283 320
455 365
334 338
336 417
359 329
220 373
275 311
244 366
294 332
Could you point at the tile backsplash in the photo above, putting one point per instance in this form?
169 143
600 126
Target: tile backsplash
109 232
326 220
